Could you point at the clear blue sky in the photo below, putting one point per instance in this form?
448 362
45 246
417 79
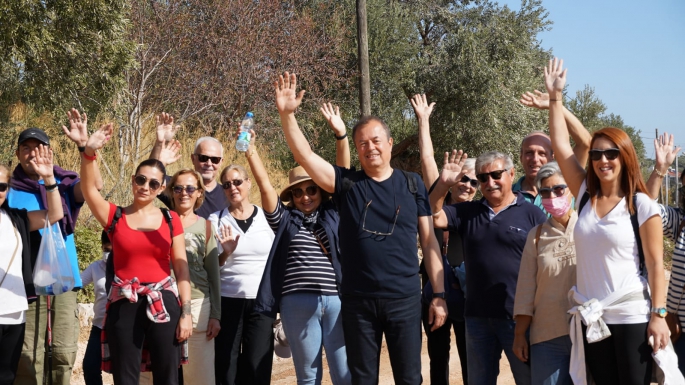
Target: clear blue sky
631 52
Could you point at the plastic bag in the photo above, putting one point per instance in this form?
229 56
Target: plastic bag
52 274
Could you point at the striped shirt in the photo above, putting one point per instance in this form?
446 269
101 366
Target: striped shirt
307 269
670 221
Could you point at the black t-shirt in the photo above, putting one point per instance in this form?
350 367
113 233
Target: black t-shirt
215 200
378 229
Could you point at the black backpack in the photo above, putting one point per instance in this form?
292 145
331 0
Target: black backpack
636 229
109 271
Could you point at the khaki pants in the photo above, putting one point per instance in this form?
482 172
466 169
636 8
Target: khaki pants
200 368
65 331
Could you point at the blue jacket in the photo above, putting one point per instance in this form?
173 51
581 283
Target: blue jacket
269 296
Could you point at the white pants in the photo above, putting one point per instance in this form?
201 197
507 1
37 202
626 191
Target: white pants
200 367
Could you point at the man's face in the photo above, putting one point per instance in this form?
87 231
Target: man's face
373 145
208 169
494 190
25 153
536 151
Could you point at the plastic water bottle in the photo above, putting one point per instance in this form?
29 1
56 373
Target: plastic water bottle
246 125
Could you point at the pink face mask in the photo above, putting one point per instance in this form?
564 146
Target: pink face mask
557 206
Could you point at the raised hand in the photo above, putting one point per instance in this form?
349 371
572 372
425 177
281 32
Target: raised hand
332 115
287 97
421 107
664 152
78 127
165 127
227 240
539 100
452 168
100 137
555 76
42 161
170 152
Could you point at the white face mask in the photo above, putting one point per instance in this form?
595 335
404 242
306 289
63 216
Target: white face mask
105 255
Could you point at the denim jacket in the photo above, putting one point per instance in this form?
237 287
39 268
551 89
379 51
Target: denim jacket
269 296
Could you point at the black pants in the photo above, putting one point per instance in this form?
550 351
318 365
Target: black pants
439 344
11 340
624 358
92 359
243 349
128 328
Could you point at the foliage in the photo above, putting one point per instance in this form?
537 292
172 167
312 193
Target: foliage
89 250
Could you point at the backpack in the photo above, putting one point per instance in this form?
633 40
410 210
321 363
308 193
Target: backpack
109 271
636 229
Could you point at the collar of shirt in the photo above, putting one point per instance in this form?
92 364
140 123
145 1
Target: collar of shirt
492 213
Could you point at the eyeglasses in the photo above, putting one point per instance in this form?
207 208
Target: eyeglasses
141 180
4 187
205 158
609 153
310 190
366 209
558 190
236 182
178 189
495 175
466 179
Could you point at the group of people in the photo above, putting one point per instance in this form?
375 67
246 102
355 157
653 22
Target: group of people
190 293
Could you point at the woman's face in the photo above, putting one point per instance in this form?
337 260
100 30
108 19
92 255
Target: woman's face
147 183
184 200
607 170
239 188
464 190
4 185
306 196
550 183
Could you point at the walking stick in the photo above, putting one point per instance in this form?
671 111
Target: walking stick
49 343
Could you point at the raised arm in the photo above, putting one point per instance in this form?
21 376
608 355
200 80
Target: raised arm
287 101
581 136
437 312
342 143
266 189
89 172
574 172
165 133
78 133
451 174
423 110
42 164
665 155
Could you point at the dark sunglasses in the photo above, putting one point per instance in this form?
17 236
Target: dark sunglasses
310 190
205 158
236 182
495 175
142 179
4 187
180 188
609 153
466 179
558 190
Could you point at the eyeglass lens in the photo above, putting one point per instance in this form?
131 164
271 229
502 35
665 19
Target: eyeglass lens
495 175
204 158
558 190
142 179
236 182
610 154
466 179
189 189
310 190
3 187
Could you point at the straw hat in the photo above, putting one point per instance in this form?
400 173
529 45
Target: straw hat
295 176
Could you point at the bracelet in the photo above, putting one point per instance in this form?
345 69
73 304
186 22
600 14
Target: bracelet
51 187
341 137
86 156
555 100
659 173
81 149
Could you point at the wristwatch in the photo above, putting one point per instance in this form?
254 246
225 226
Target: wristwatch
442 295
660 311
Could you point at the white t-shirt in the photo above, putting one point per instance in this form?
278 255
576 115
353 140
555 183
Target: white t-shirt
607 257
13 303
95 274
243 270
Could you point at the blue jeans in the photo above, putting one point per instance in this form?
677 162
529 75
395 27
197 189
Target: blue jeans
679 347
312 321
92 359
485 340
549 362
365 320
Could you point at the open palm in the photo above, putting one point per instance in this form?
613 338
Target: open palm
663 150
555 76
42 161
100 137
453 166
332 115
165 127
287 97
78 127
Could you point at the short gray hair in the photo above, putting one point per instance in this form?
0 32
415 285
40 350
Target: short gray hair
491 157
205 139
470 164
546 171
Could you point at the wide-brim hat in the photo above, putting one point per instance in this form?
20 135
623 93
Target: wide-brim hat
33 133
295 176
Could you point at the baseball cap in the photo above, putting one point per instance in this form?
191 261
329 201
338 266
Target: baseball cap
33 133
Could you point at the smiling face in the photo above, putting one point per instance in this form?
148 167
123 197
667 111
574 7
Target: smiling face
606 170
463 192
184 201
497 190
536 151
145 193
373 145
236 194
207 169
306 203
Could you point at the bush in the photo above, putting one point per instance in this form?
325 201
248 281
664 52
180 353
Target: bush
89 250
